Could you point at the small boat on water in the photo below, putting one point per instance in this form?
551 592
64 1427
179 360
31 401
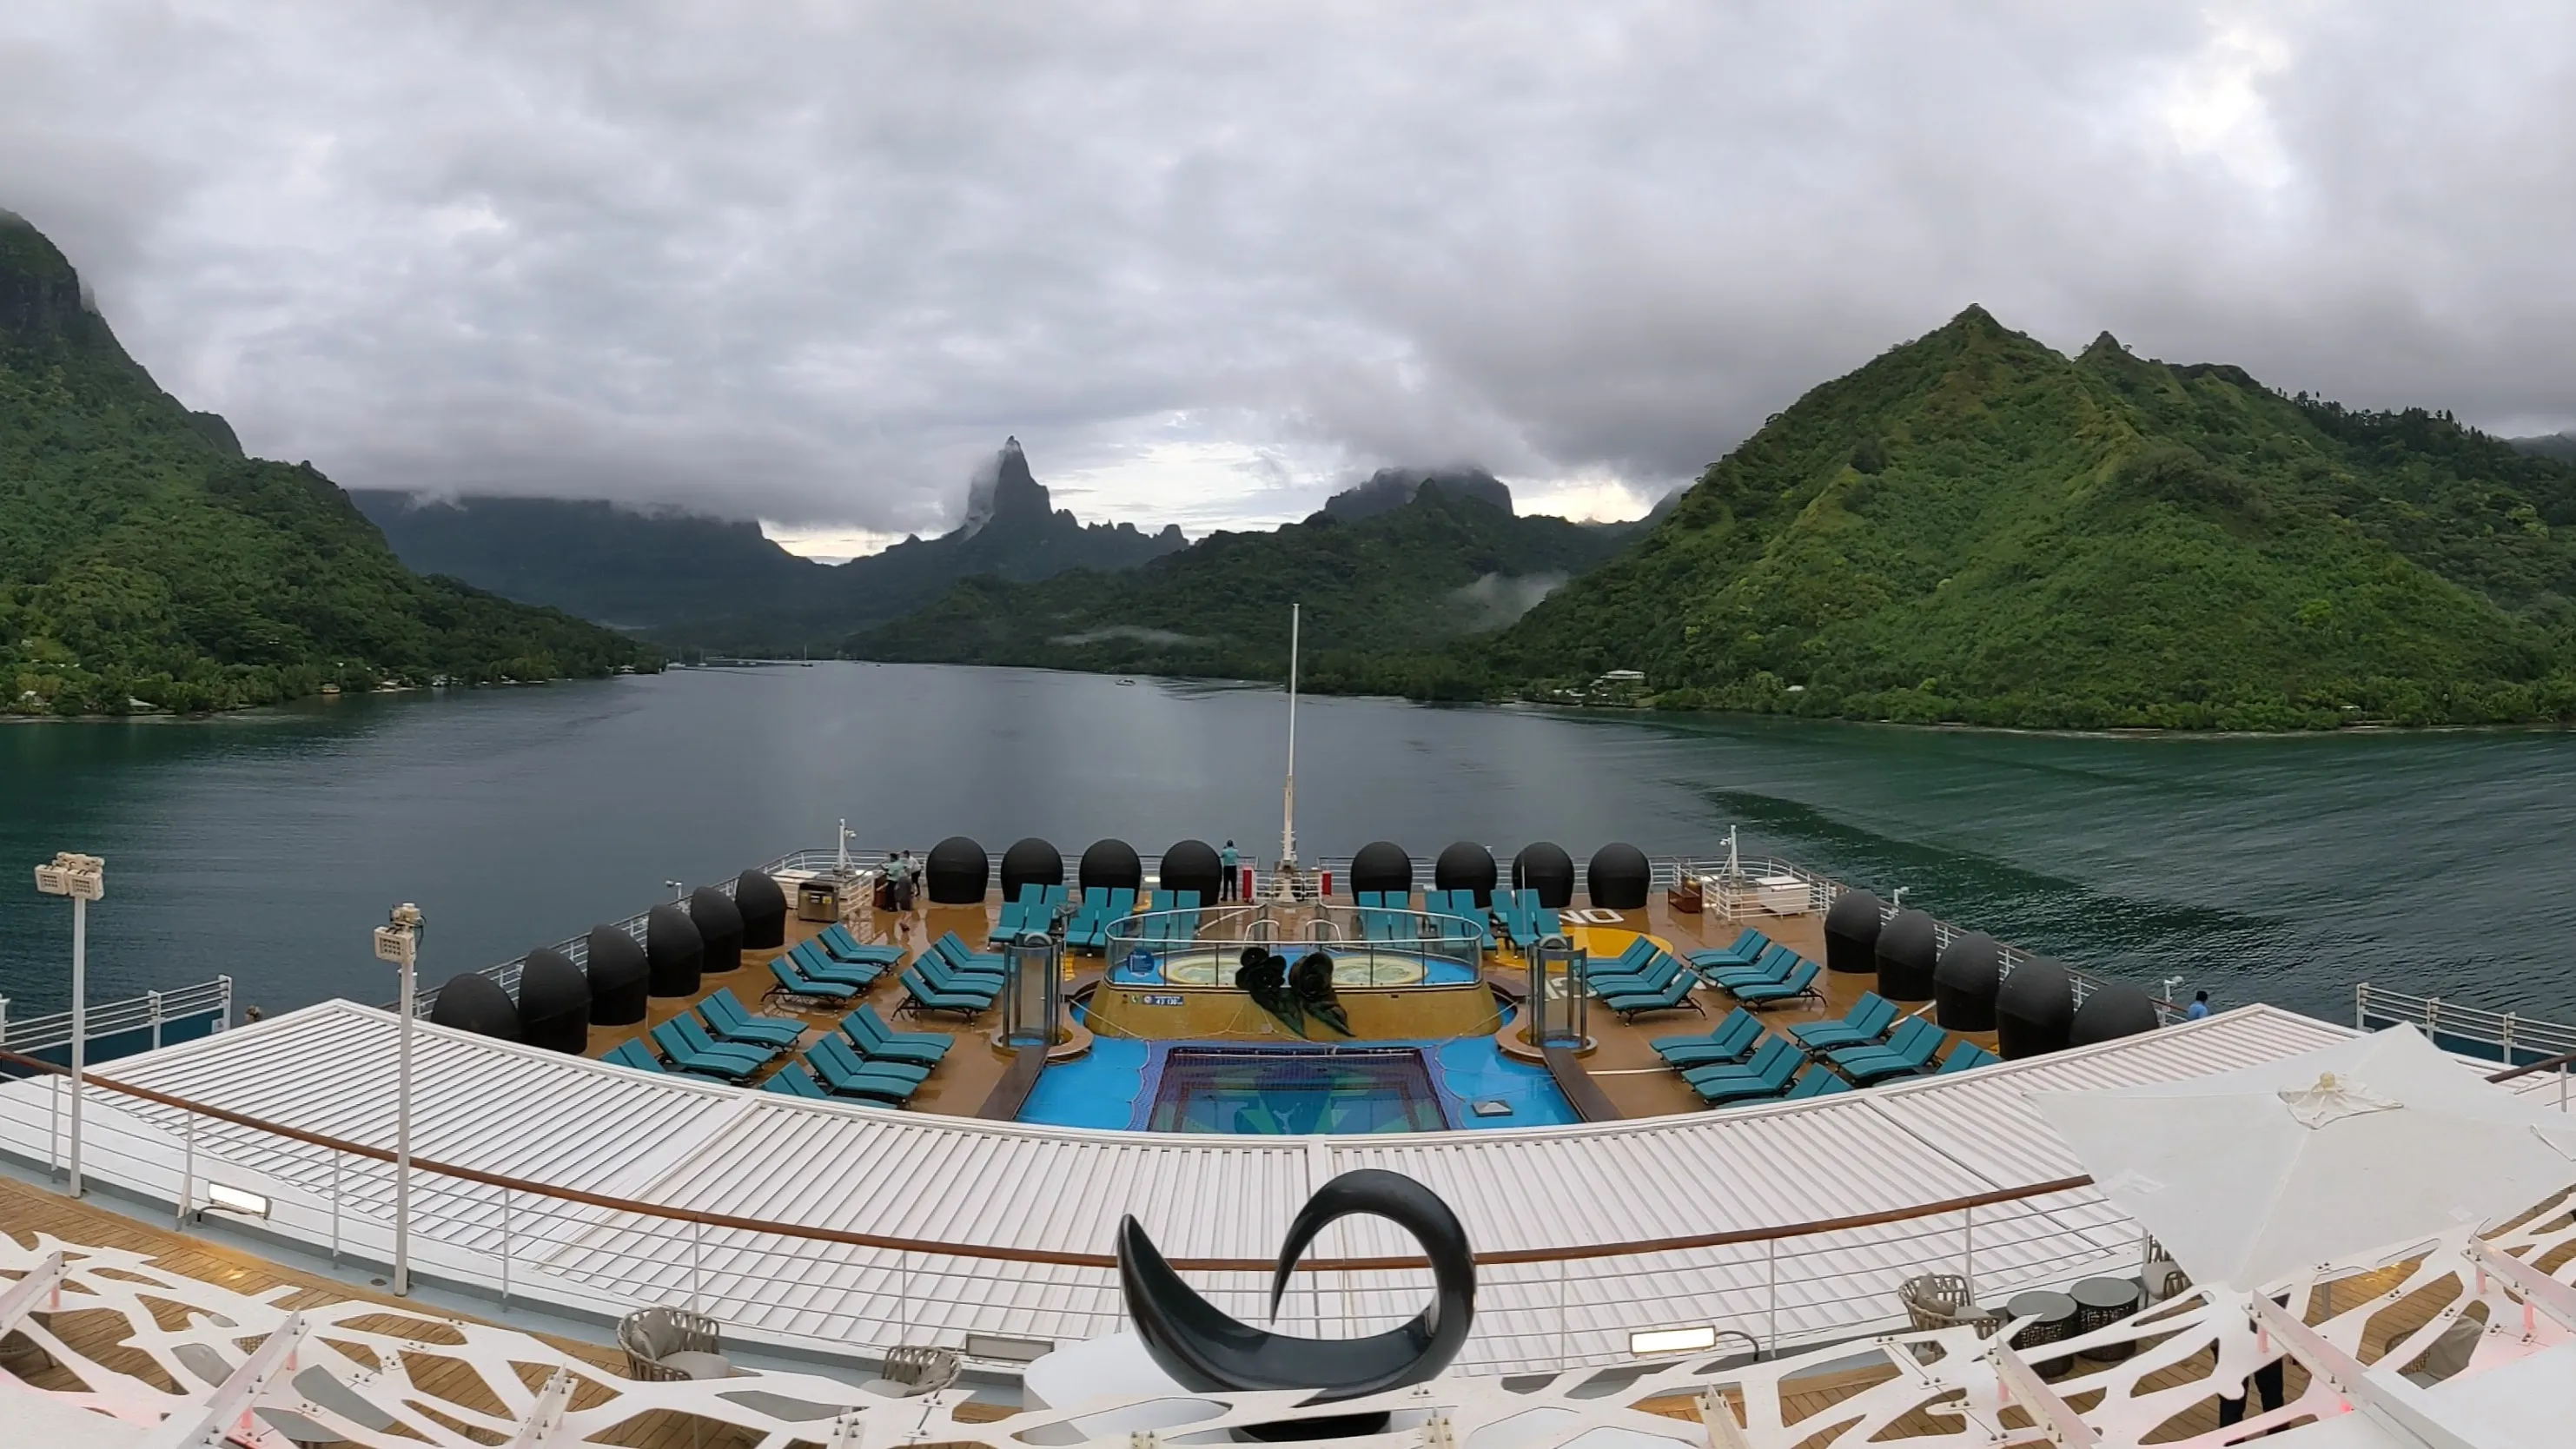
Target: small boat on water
1126 681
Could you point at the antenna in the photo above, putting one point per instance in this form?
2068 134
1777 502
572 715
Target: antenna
1288 795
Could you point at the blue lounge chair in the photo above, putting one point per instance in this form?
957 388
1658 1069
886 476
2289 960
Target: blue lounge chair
843 1075
1674 997
837 940
964 983
1732 1039
633 1053
920 996
703 1057
795 983
1818 1082
840 1049
1863 1025
730 1021
1775 964
1909 1050
1747 949
818 964
1772 1051
1660 972
1967 1056
954 952
1801 982
879 1042
1767 1075
792 1080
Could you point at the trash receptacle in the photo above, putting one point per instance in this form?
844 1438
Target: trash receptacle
818 900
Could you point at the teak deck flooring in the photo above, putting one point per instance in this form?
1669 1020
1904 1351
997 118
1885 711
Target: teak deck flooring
1622 1064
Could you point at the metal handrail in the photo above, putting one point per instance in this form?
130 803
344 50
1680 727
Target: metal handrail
1574 1253
2509 1032
151 1010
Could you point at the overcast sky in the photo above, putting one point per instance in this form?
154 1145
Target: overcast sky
809 262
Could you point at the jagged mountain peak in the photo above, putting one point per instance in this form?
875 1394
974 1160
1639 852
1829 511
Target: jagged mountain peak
1004 489
1391 488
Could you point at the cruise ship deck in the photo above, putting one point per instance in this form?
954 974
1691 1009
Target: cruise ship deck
560 1190
1630 1076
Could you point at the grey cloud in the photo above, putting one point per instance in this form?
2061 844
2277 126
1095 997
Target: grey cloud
812 263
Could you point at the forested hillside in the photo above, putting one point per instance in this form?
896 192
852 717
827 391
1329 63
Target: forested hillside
144 560
1973 527
694 581
1384 596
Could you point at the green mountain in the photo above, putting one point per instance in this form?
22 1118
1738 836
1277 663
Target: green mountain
693 580
142 557
1384 595
1975 528
2561 446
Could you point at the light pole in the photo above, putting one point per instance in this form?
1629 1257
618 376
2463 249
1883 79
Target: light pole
398 941
84 879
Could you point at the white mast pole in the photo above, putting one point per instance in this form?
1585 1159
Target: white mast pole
1288 798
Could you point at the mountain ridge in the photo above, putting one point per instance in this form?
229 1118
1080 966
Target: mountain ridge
691 579
145 562
1974 528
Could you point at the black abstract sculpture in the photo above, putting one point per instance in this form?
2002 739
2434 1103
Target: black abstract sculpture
1310 981
1206 1351
1264 978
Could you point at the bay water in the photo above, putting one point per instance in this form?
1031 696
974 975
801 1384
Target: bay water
266 845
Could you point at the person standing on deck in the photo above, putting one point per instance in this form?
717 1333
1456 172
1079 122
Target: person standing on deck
1227 889
2199 1006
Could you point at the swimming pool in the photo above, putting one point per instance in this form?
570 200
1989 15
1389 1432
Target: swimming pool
1228 1087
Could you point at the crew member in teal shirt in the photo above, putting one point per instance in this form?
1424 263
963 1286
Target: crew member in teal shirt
1227 889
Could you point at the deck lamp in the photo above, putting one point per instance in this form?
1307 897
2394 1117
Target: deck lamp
223 1198
398 943
1660 1342
84 879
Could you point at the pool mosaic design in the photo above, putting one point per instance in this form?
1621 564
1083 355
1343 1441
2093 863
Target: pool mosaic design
1116 1085
1255 1092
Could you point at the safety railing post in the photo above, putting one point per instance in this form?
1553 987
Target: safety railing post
696 1270
335 1209
2508 1038
505 1248
53 1118
1968 1251
152 1004
1564 1328
1771 1287
224 1016
2361 1007
188 1171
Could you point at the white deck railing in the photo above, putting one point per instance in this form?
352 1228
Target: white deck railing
818 1292
2515 1038
152 1012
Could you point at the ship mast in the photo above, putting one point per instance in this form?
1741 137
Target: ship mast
1288 794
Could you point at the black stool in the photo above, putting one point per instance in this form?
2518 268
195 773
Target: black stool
2101 1302
2053 1318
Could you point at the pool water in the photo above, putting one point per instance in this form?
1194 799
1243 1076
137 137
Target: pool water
1120 1085
1266 1092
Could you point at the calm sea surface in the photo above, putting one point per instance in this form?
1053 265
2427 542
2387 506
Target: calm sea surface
266 846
